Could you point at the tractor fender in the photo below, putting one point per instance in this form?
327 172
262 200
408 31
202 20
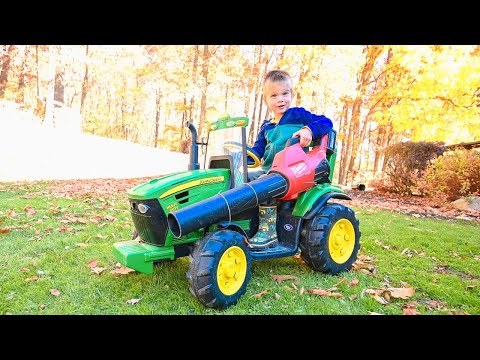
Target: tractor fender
321 201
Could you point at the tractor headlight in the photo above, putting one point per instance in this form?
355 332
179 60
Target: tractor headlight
143 208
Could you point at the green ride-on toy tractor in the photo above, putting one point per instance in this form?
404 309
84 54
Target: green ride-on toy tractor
223 222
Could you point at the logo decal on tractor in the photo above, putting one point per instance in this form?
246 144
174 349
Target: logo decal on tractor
176 189
288 227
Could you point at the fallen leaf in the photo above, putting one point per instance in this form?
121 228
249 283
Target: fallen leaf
365 258
410 311
73 218
402 293
24 270
323 292
11 213
353 283
366 272
344 279
380 299
81 245
371 291
122 270
4 230
29 210
302 290
277 296
357 265
373 313
261 293
98 270
54 292
435 305
458 312
133 301
280 278
33 278
92 263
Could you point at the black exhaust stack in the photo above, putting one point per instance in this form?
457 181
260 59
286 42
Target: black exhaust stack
194 164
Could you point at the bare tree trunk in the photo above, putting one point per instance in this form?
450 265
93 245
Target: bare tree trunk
38 66
226 99
203 101
22 75
194 82
84 84
6 59
386 142
369 139
373 52
49 120
380 135
59 93
346 144
251 93
158 99
304 71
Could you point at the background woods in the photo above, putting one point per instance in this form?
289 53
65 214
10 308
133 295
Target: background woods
377 95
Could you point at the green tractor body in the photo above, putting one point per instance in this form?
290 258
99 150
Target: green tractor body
212 214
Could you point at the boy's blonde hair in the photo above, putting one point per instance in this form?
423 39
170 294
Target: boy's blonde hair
277 76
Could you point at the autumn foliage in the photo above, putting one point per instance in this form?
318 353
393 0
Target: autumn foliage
407 161
453 175
376 95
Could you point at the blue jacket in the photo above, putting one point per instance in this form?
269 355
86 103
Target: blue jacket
272 137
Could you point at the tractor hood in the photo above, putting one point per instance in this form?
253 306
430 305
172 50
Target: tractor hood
161 188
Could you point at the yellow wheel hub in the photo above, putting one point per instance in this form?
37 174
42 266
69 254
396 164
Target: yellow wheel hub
341 241
232 270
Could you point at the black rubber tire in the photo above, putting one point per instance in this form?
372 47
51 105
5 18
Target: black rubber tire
203 272
314 242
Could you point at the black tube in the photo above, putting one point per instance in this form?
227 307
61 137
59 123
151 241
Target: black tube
322 172
223 206
194 164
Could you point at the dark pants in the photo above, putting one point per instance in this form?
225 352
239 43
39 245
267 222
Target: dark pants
254 175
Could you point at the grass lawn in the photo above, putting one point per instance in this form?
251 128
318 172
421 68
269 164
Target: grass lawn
56 258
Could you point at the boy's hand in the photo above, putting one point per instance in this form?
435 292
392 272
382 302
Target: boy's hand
305 135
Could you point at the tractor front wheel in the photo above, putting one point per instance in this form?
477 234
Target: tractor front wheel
330 241
220 269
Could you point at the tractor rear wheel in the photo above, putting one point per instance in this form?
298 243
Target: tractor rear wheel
331 239
220 269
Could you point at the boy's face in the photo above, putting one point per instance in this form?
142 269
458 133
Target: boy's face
278 96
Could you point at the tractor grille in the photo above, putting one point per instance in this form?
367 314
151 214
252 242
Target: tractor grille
151 226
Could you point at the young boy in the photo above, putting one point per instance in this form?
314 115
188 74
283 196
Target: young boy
286 123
